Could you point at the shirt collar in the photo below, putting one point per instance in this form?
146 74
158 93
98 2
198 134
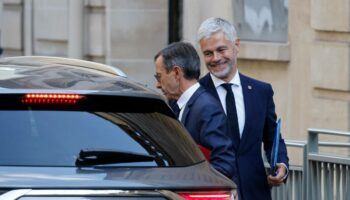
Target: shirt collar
181 102
236 81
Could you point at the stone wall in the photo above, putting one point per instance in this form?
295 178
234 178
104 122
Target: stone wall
310 73
123 33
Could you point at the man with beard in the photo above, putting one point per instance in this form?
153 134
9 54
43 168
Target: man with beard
250 109
177 74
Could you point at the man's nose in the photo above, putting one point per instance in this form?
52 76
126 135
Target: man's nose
216 56
158 85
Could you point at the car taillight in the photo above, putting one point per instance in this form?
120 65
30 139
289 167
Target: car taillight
41 98
217 195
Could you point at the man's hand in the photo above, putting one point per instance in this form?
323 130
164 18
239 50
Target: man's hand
278 179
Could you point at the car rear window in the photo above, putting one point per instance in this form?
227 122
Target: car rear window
56 137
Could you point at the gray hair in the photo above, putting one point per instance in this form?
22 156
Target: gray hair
213 25
184 55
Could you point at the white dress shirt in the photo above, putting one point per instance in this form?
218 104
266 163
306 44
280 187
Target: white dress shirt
185 97
238 93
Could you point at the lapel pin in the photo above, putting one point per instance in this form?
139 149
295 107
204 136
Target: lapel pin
249 87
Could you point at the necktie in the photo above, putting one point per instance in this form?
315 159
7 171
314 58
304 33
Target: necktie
232 112
176 110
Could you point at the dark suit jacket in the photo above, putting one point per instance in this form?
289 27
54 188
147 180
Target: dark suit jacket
205 120
260 127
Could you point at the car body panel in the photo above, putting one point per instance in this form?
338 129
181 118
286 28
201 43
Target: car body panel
121 178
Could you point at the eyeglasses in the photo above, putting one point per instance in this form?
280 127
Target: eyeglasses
157 77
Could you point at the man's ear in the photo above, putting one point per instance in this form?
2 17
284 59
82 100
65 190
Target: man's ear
178 72
237 43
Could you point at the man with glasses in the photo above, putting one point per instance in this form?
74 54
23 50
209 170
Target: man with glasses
177 74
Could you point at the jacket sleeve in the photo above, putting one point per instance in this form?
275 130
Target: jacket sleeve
270 129
214 136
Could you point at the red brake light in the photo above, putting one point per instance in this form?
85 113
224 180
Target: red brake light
218 195
42 98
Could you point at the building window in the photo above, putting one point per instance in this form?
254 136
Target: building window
261 20
175 21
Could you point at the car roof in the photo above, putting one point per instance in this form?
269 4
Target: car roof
46 60
55 74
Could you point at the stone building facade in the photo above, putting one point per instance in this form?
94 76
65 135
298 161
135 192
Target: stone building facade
308 67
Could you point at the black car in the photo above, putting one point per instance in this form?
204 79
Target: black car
73 129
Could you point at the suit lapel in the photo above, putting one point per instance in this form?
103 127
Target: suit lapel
188 105
208 84
248 90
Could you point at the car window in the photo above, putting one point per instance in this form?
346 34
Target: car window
55 138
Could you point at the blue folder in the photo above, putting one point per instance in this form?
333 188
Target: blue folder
274 152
